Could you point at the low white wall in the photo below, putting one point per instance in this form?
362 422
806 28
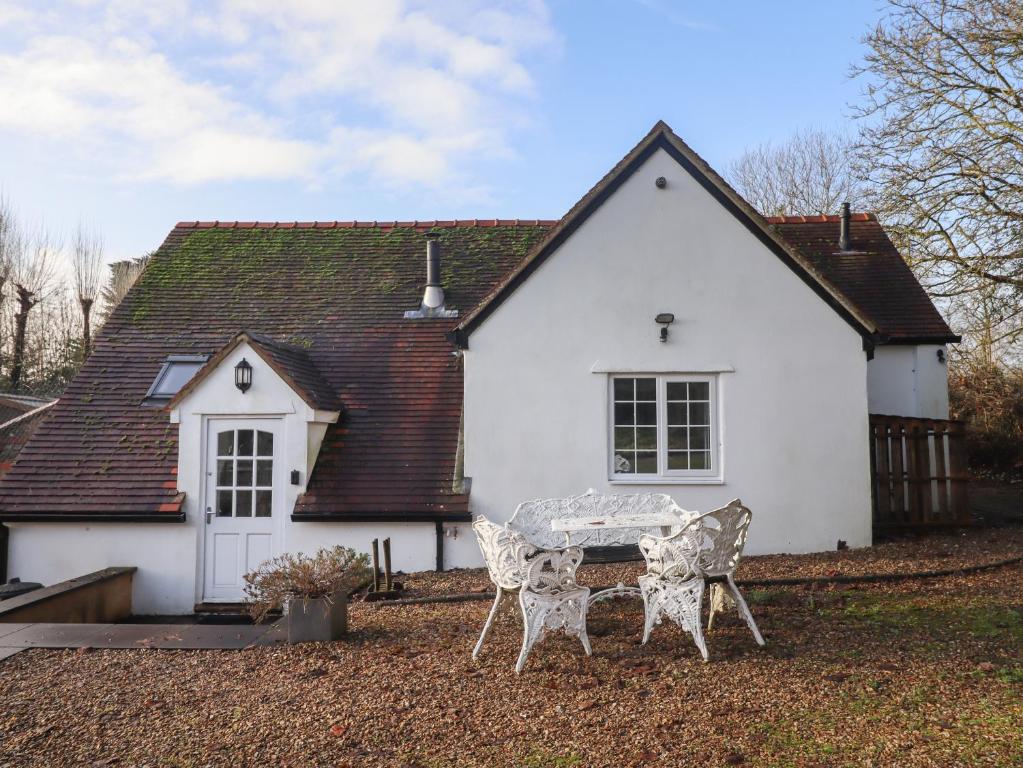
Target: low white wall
906 380
164 554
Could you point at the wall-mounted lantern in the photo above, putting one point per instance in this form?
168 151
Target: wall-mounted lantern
664 320
941 356
243 375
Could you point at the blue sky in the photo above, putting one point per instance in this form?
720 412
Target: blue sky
134 114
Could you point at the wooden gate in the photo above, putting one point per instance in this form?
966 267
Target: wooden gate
918 469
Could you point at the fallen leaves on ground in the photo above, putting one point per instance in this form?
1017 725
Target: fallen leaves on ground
916 673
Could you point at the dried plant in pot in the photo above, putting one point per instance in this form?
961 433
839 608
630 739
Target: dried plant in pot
312 591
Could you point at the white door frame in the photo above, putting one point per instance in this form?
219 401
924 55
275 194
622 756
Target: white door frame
207 521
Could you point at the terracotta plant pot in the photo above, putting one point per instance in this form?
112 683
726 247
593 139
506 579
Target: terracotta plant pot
318 620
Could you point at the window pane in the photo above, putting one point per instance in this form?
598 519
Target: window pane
646 437
699 460
646 413
623 389
625 437
264 503
624 413
225 472
646 462
699 413
175 376
244 504
677 438
699 390
244 476
699 437
223 503
244 442
677 413
265 444
625 462
677 390
646 389
678 460
225 443
264 472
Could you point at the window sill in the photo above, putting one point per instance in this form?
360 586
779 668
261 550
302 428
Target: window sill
668 481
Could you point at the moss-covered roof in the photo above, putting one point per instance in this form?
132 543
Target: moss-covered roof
337 291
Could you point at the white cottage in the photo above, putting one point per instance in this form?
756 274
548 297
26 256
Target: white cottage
271 387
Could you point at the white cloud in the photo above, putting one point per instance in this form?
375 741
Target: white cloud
193 92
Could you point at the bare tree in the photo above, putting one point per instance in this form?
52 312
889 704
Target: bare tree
33 269
10 242
809 175
87 260
942 148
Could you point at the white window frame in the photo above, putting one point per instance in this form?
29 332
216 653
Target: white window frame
713 474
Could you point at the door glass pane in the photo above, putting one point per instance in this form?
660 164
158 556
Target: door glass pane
223 503
244 504
264 472
224 472
265 444
245 442
244 476
225 443
264 503
646 462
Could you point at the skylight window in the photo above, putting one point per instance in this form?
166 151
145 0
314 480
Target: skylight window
176 372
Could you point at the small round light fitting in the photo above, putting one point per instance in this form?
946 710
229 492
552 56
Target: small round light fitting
661 182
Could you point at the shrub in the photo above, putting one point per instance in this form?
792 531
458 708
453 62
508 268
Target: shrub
289 576
989 398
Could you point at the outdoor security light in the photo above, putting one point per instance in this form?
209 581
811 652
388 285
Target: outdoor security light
243 375
664 320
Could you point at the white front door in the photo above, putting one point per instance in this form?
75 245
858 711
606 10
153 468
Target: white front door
243 497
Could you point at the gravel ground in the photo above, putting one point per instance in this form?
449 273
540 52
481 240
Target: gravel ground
916 673
956 549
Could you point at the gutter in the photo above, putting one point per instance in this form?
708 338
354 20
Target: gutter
42 517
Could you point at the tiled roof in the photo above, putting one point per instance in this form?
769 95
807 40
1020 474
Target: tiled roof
339 293
15 432
292 363
871 274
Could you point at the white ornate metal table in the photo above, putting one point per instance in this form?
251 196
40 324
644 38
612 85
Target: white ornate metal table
569 525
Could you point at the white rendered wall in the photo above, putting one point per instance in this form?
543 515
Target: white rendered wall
794 404
164 554
906 380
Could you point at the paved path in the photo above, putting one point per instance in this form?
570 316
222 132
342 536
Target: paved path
16 637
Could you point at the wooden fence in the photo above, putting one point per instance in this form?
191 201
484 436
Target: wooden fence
918 469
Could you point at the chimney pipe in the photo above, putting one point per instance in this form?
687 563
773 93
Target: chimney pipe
843 229
433 296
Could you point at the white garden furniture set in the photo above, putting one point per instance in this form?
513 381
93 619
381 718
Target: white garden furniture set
536 554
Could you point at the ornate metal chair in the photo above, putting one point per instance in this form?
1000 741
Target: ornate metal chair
673 584
723 534
549 596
